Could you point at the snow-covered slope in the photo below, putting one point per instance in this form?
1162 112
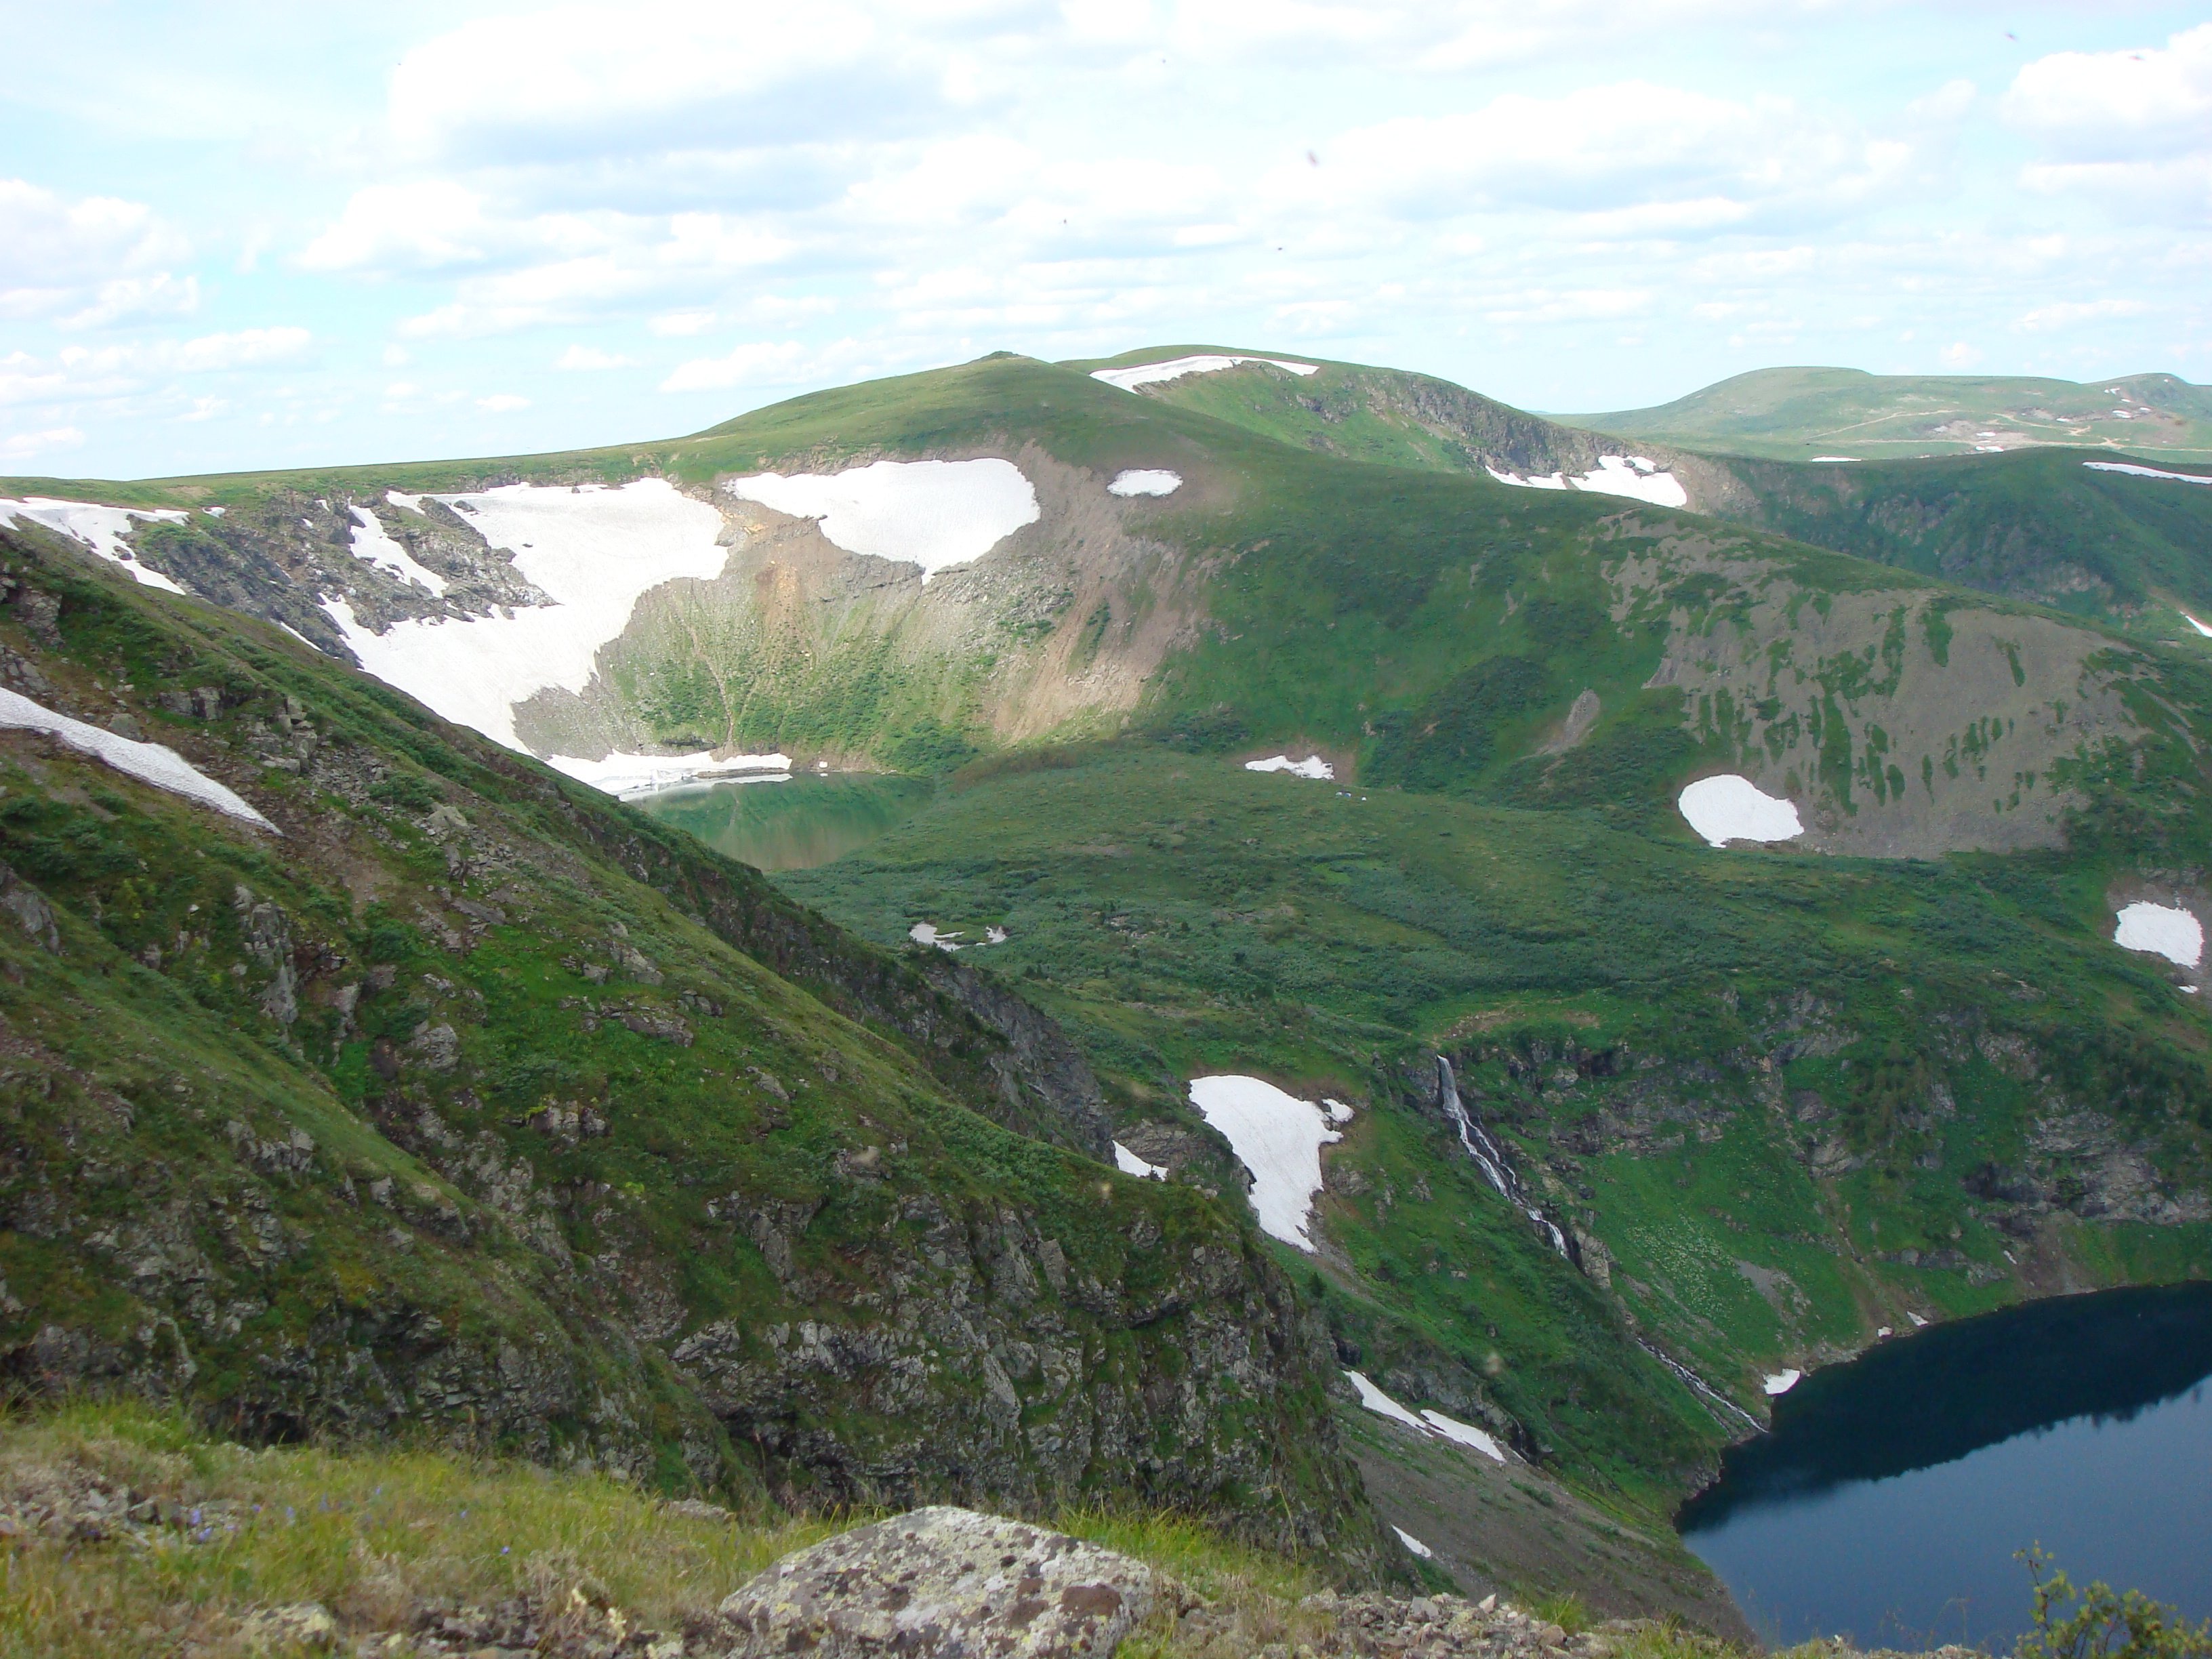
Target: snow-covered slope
104 530
150 763
593 550
932 513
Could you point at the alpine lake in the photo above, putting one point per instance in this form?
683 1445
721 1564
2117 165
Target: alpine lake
1890 1501
797 823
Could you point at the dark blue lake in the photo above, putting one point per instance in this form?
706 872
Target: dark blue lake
1887 1502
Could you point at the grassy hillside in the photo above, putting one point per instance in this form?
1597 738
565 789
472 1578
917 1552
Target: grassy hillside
2122 549
1798 414
1771 1086
475 1103
1774 1099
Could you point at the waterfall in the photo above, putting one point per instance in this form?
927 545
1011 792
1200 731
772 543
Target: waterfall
1697 1384
1490 1158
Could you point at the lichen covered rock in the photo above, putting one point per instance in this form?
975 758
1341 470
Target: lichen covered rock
943 1584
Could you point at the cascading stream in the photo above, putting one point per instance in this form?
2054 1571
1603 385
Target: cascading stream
1490 1158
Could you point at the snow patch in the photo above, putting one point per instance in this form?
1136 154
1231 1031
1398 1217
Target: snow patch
592 550
2161 930
2198 626
1313 765
372 541
1433 1423
1278 1138
629 775
2148 471
1732 808
1414 1543
1146 481
1613 474
1174 369
1463 1434
1382 1405
932 513
150 763
1129 1163
404 503
1835 458
102 529
1338 1111
215 512
1782 1382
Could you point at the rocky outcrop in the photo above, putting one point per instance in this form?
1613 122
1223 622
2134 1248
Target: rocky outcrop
942 1583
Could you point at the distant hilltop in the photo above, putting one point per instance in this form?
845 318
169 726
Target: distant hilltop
1847 414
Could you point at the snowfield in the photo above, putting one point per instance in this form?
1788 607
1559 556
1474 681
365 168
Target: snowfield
2148 473
1428 1422
1176 368
593 550
932 513
1634 476
627 775
1146 481
372 541
1782 1382
1464 1434
1313 765
2160 930
1732 808
1278 1138
100 528
1382 1405
150 763
1129 1163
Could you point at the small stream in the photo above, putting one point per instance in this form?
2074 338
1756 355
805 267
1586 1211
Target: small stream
1887 1502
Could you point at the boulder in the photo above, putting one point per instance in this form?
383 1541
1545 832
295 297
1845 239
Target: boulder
942 1583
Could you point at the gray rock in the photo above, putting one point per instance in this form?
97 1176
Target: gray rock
28 906
942 1583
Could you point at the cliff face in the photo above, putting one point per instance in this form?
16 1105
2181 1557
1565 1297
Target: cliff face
460 1098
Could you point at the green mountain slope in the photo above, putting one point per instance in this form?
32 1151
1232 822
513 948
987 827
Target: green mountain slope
2123 548
1800 414
1772 1101
463 1102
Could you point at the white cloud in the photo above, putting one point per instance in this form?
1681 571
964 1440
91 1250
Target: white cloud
25 446
2070 313
1960 356
1665 160
430 224
133 298
79 372
681 323
96 253
250 348
2132 130
502 403
600 81
592 357
780 362
2120 105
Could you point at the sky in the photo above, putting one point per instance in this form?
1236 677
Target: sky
241 236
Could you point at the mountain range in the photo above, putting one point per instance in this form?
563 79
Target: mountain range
1438 957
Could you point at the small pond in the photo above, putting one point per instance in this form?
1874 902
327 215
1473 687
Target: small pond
794 825
1887 1502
